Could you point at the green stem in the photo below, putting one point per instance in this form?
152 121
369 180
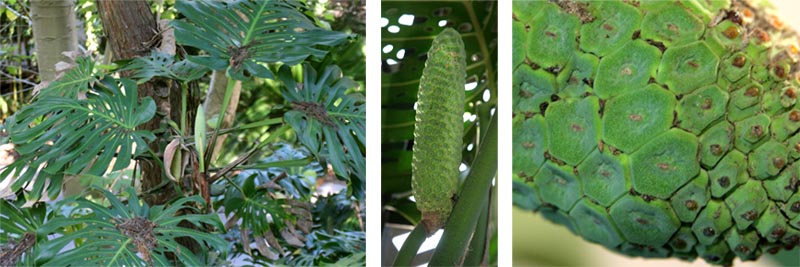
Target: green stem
474 255
220 118
184 93
474 194
410 247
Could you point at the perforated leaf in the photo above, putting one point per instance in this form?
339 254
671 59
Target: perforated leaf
130 234
244 34
64 135
330 122
164 65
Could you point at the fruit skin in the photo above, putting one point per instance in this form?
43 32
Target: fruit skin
438 129
659 128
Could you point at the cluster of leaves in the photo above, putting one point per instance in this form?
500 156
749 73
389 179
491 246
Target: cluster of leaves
112 231
86 123
272 202
66 134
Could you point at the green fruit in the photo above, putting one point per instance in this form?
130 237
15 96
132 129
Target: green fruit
438 129
659 128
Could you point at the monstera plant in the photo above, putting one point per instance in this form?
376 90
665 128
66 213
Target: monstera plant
100 119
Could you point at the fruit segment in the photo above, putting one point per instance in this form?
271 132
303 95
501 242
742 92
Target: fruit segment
659 128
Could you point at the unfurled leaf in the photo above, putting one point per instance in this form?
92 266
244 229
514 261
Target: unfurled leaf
243 35
63 135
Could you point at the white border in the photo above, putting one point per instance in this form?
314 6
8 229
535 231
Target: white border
373 92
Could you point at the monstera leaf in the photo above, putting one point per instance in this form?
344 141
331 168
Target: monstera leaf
64 135
328 121
127 234
75 81
163 65
241 35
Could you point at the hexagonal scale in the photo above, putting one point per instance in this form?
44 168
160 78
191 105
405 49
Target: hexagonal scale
728 174
782 187
532 88
627 69
717 253
671 25
698 109
746 203
594 223
735 67
641 222
715 143
602 37
573 128
525 194
785 125
551 39
558 186
683 241
529 145
750 132
604 176
768 159
686 68
792 207
665 164
634 118
772 224
712 222
691 198
744 245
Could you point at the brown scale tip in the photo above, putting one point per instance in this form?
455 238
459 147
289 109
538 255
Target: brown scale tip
690 204
679 243
795 206
751 92
750 215
778 232
739 61
790 92
743 249
794 116
757 131
724 181
762 36
731 32
716 149
708 231
778 162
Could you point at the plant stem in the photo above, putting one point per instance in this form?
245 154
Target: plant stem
474 194
474 255
184 93
220 116
410 247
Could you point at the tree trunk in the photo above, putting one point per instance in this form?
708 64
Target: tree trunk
131 30
54 32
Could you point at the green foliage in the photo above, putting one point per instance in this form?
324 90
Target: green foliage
329 122
113 235
64 135
240 35
76 81
335 249
163 65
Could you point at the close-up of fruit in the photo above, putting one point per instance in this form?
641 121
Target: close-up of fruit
659 129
